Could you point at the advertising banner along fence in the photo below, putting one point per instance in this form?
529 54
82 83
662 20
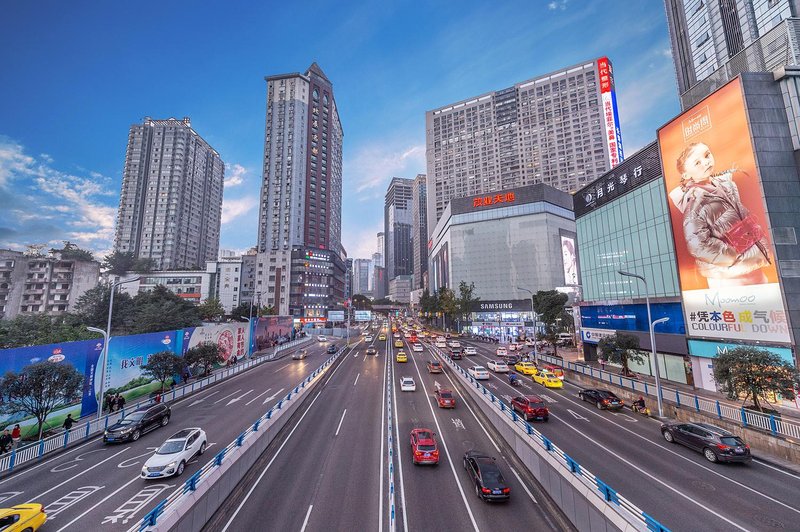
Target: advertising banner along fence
726 260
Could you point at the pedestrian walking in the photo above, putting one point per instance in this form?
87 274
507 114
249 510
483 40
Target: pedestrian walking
16 435
172 384
68 423
5 442
602 362
120 402
108 403
157 398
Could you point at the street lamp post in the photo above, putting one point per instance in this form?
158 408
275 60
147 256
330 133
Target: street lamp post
107 338
105 343
533 317
651 325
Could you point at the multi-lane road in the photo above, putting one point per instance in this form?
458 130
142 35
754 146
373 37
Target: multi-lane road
343 461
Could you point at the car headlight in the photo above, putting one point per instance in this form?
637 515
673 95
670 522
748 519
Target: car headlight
172 465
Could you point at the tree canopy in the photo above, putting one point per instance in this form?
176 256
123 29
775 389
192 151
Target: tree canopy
361 302
162 365
620 348
204 355
120 262
751 373
210 310
466 301
161 310
71 251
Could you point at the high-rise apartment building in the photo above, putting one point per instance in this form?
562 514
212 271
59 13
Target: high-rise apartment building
397 229
560 129
300 212
714 41
378 257
362 272
419 224
170 206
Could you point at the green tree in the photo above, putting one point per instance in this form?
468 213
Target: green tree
71 251
210 310
241 310
161 310
620 348
39 389
466 301
204 355
448 304
755 373
91 309
162 365
120 262
38 329
267 311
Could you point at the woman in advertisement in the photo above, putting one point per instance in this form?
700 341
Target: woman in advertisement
727 242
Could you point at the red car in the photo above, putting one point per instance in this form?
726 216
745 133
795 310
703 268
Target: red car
530 406
424 449
445 398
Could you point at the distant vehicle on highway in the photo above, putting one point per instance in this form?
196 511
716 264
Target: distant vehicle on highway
398 343
300 355
332 349
382 337
321 338
22 517
401 357
417 348
368 338
173 455
407 384
138 422
441 343
445 398
456 354
716 443
434 366
479 373
470 351
424 449
490 485
602 399
530 406
501 351
498 366
372 351
556 370
454 344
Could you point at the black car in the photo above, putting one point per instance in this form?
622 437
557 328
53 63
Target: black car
372 351
138 422
332 349
487 477
457 353
602 399
716 443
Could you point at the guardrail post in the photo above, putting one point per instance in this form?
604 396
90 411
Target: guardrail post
528 428
574 466
591 372
269 414
744 417
66 438
513 416
620 382
280 404
678 397
548 445
219 457
12 459
152 516
256 425
240 440
652 524
645 389
697 403
88 426
41 447
191 482
773 426
719 411
608 494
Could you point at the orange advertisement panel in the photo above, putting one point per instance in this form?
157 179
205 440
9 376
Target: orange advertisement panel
726 260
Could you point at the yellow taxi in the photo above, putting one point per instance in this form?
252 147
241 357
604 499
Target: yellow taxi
382 337
398 343
401 357
22 517
548 379
526 368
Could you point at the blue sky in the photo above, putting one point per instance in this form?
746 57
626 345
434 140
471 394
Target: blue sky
76 75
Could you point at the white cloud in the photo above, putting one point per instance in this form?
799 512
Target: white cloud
236 176
13 161
375 164
560 4
361 243
233 208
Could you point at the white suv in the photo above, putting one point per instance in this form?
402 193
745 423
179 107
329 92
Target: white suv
479 373
470 351
173 455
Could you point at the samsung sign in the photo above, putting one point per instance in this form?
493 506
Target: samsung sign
510 305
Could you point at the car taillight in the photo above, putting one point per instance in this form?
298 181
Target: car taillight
723 447
506 490
486 490
605 401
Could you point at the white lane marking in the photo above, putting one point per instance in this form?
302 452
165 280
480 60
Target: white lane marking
653 477
627 417
273 396
701 466
131 507
449 458
355 354
340 422
523 485
124 463
272 460
73 462
76 475
383 431
70 499
399 453
458 423
576 415
237 399
357 376
9 495
305 521
257 396
547 398
198 401
755 461
227 396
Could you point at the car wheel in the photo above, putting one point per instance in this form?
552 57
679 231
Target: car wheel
135 435
668 436
181 467
710 455
29 529
599 405
164 421
202 448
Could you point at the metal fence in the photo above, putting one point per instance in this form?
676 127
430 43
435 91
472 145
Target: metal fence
84 430
747 418
600 488
189 485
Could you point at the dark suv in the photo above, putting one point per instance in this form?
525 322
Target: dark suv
138 422
332 349
716 443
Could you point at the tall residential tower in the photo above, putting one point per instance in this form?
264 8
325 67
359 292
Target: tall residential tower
419 224
397 221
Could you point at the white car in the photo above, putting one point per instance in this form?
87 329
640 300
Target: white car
470 351
441 343
454 343
173 455
501 352
369 338
498 366
407 384
479 373
513 347
417 347
321 338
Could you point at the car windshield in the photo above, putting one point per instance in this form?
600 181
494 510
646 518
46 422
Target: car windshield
171 447
131 418
445 395
731 440
426 447
536 405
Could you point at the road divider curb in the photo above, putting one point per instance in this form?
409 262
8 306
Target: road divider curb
587 501
192 504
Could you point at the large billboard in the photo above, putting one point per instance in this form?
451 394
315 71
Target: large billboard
726 260
272 330
608 97
363 315
570 260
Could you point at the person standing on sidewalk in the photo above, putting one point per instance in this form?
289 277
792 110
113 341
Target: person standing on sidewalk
5 442
16 434
602 362
68 423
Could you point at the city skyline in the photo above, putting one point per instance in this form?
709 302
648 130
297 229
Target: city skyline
49 156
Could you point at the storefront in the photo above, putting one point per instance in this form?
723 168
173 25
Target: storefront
505 320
